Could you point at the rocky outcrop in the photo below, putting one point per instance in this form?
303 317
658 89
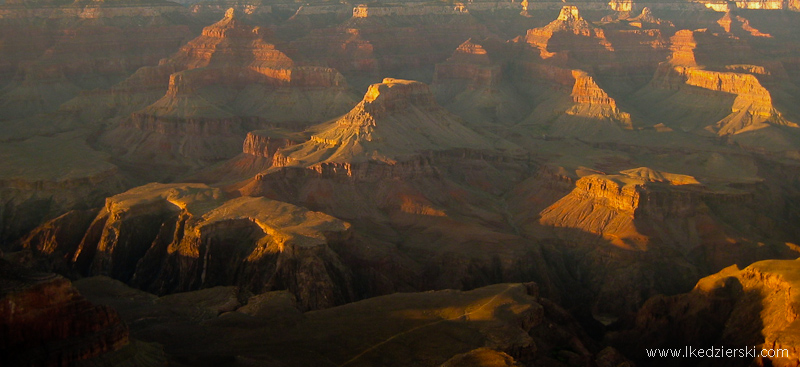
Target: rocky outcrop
180 237
651 231
612 204
264 143
93 47
712 68
569 31
754 308
579 107
739 26
189 126
472 84
368 48
471 62
44 177
383 10
46 322
396 120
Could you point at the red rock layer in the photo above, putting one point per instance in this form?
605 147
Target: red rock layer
469 62
182 237
753 308
46 322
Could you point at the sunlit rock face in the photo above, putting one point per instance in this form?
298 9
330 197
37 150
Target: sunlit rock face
181 237
192 124
722 70
752 307
396 120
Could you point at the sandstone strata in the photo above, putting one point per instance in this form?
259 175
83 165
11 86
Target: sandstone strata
396 120
87 46
180 237
753 307
44 177
473 84
46 322
191 125
737 103
643 216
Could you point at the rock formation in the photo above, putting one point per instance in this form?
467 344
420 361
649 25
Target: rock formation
735 101
44 177
402 40
643 216
569 31
396 120
472 84
754 308
181 237
511 323
193 123
46 322
89 46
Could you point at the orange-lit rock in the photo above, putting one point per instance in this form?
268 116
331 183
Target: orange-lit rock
397 120
180 237
187 126
754 307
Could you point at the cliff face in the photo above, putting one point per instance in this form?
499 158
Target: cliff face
46 322
396 120
645 219
44 177
192 125
609 205
577 107
738 90
406 40
80 51
753 307
180 237
264 143
472 83
570 32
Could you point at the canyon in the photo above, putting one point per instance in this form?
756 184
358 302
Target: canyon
397 183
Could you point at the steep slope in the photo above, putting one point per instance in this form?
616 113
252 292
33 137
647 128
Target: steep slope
511 323
404 39
61 49
587 112
396 120
44 177
650 231
570 102
219 86
46 322
755 307
181 237
721 70
472 83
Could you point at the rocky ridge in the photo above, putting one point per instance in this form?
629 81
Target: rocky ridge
753 307
46 322
179 237
191 125
396 120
